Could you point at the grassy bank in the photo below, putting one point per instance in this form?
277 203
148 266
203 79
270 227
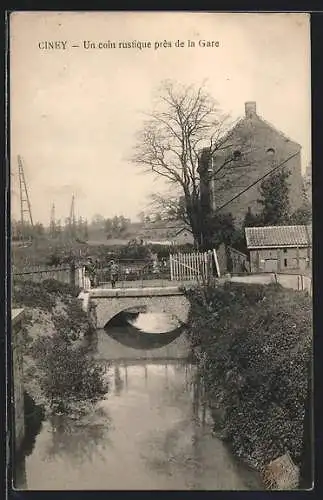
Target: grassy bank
253 344
59 371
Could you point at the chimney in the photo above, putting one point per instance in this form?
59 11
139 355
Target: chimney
250 109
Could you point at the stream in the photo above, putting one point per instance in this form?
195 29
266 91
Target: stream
152 431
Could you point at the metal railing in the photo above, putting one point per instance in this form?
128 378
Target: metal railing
138 279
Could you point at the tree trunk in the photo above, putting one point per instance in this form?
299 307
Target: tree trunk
193 216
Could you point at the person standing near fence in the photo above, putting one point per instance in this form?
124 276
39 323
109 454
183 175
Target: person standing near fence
90 271
114 270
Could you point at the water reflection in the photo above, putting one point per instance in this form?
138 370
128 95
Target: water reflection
118 381
77 441
34 416
19 474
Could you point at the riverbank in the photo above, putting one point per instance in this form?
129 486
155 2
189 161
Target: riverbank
57 367
252 344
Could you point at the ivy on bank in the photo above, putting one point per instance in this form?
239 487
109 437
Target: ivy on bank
253 344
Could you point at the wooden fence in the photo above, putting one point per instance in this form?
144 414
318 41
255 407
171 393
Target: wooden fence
193 266
296 281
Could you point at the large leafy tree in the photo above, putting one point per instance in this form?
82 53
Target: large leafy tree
116 226
252 220
274 191
220 229
303 215
185 122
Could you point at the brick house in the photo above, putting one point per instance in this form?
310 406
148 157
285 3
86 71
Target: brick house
256 147
182 236
280 249
174 232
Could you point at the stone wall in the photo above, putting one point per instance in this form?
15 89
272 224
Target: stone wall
89 307
17 317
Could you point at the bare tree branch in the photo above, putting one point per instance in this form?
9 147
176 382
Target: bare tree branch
184 122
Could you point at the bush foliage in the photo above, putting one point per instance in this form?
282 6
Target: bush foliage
68 371
30 294
255 344
64 367
41 295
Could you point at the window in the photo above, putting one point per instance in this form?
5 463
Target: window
285 262
270 151
236 154
285 250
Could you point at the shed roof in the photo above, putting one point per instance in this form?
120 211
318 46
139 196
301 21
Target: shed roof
184 228
278 236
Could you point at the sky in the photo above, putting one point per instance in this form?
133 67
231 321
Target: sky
74 113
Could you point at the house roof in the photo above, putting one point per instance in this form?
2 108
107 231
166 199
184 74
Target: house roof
278 236
256 118
270 125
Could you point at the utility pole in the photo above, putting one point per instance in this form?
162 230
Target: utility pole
25 206
72 218
52 224
205 206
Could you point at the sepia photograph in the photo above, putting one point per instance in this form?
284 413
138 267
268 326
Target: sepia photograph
161 251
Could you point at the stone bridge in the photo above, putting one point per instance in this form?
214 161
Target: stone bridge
110 302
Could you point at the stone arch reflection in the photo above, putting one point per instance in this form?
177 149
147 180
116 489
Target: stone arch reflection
130 336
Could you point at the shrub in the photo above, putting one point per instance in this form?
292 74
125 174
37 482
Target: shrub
258 343
133 251
68 371
30 294
58 288
73 323
64 368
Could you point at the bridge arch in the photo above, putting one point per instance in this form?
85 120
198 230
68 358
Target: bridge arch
109 302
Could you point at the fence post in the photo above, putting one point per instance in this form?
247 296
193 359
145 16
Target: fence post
82 280
216 263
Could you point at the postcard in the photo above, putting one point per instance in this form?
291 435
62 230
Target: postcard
161 251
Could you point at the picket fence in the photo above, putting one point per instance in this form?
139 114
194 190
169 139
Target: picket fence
193 266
